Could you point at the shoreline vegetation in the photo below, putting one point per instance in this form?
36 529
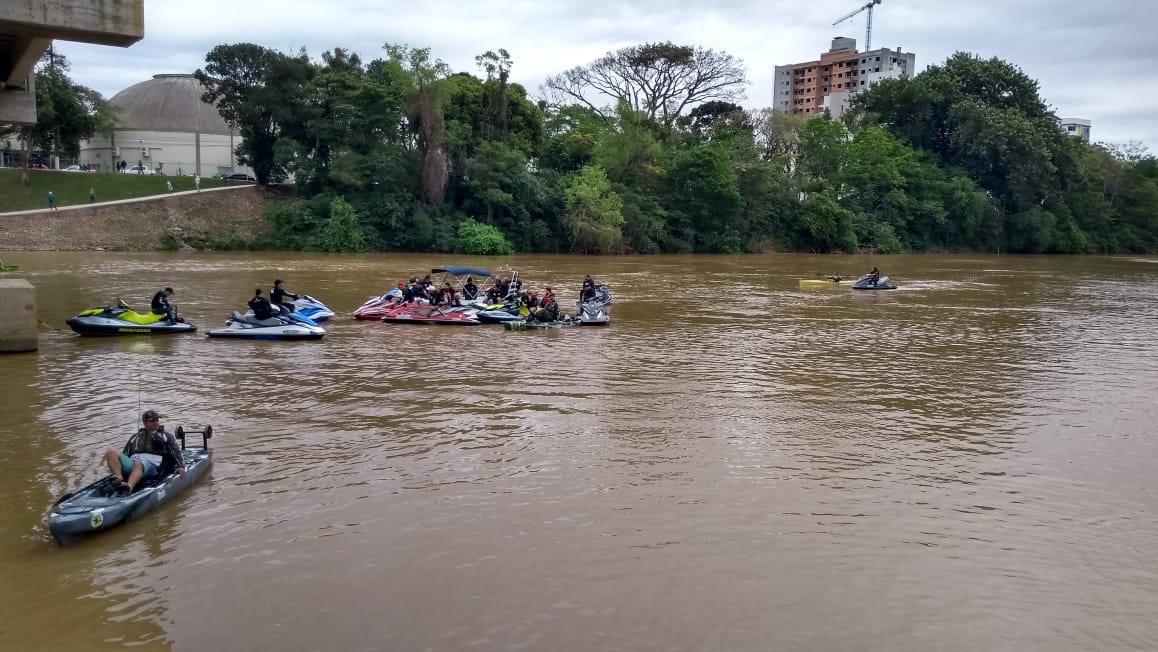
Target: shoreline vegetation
400 153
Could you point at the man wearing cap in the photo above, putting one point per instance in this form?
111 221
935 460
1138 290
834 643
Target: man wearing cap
146 453
161 304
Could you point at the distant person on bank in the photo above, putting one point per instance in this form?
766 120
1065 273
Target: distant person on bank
51 201
197 182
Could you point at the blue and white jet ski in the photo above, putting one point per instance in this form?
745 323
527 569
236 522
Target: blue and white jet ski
308 306
281 326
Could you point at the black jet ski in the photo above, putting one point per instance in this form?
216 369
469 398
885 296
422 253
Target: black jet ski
500 313
281 326
866 283
120 320
99 507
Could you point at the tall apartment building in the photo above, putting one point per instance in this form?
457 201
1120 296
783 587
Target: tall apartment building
829 82
1076 127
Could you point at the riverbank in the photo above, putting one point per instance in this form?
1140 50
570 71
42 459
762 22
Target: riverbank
211 219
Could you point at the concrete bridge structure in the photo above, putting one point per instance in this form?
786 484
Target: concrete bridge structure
28 27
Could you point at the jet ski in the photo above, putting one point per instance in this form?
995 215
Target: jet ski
281 326
593 313
308 306
501 313
866 283
374 308
99 507
418 313
120 320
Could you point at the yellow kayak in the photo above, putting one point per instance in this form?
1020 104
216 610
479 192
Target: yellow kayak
806 282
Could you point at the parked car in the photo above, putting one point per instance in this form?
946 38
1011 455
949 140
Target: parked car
138 169
237 176
37 166
77 168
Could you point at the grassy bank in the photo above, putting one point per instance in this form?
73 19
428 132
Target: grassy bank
72 188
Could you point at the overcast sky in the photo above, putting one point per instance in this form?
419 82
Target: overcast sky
1094 60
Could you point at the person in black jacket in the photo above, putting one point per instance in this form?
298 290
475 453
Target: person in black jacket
277 295
161 305
261 307
148 453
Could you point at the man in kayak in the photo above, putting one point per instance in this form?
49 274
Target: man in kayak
161 305
261 307
277 295
144 454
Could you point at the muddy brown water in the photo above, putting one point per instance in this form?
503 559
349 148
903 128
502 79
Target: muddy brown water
965 463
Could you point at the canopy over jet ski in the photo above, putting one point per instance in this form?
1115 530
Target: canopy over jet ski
121 320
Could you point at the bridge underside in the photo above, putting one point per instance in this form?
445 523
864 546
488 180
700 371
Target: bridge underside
28 27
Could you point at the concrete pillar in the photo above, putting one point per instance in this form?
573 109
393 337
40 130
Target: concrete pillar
18 319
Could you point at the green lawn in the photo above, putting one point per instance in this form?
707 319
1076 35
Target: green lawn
72 188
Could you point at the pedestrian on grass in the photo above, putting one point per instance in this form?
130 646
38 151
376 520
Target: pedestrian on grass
92 195
169 184
51 201
197 182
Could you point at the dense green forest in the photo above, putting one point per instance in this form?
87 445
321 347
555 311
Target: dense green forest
645 151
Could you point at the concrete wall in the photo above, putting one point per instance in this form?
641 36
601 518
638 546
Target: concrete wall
179 152
17 315
105 22
28 27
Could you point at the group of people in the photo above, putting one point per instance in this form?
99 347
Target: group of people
264 308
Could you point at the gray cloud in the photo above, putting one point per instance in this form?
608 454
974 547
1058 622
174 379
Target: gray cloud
1093 60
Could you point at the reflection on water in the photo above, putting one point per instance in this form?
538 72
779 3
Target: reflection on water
736 463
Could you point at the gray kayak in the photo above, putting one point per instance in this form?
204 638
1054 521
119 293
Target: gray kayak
98 507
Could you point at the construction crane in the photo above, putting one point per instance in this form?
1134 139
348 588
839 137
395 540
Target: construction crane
868 30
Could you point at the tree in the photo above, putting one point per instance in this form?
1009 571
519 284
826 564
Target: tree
659 80
778 136
262 94
341 232
594 217
984 116
414 71
66 112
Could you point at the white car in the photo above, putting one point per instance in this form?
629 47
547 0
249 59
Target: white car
138 169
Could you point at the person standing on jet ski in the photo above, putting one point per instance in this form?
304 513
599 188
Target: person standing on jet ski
261 307
588 291
161 305
277 295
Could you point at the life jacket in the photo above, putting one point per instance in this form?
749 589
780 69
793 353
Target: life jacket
261 307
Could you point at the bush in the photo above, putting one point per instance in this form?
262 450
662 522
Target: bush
482 239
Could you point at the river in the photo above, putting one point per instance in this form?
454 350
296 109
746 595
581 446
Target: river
965 463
